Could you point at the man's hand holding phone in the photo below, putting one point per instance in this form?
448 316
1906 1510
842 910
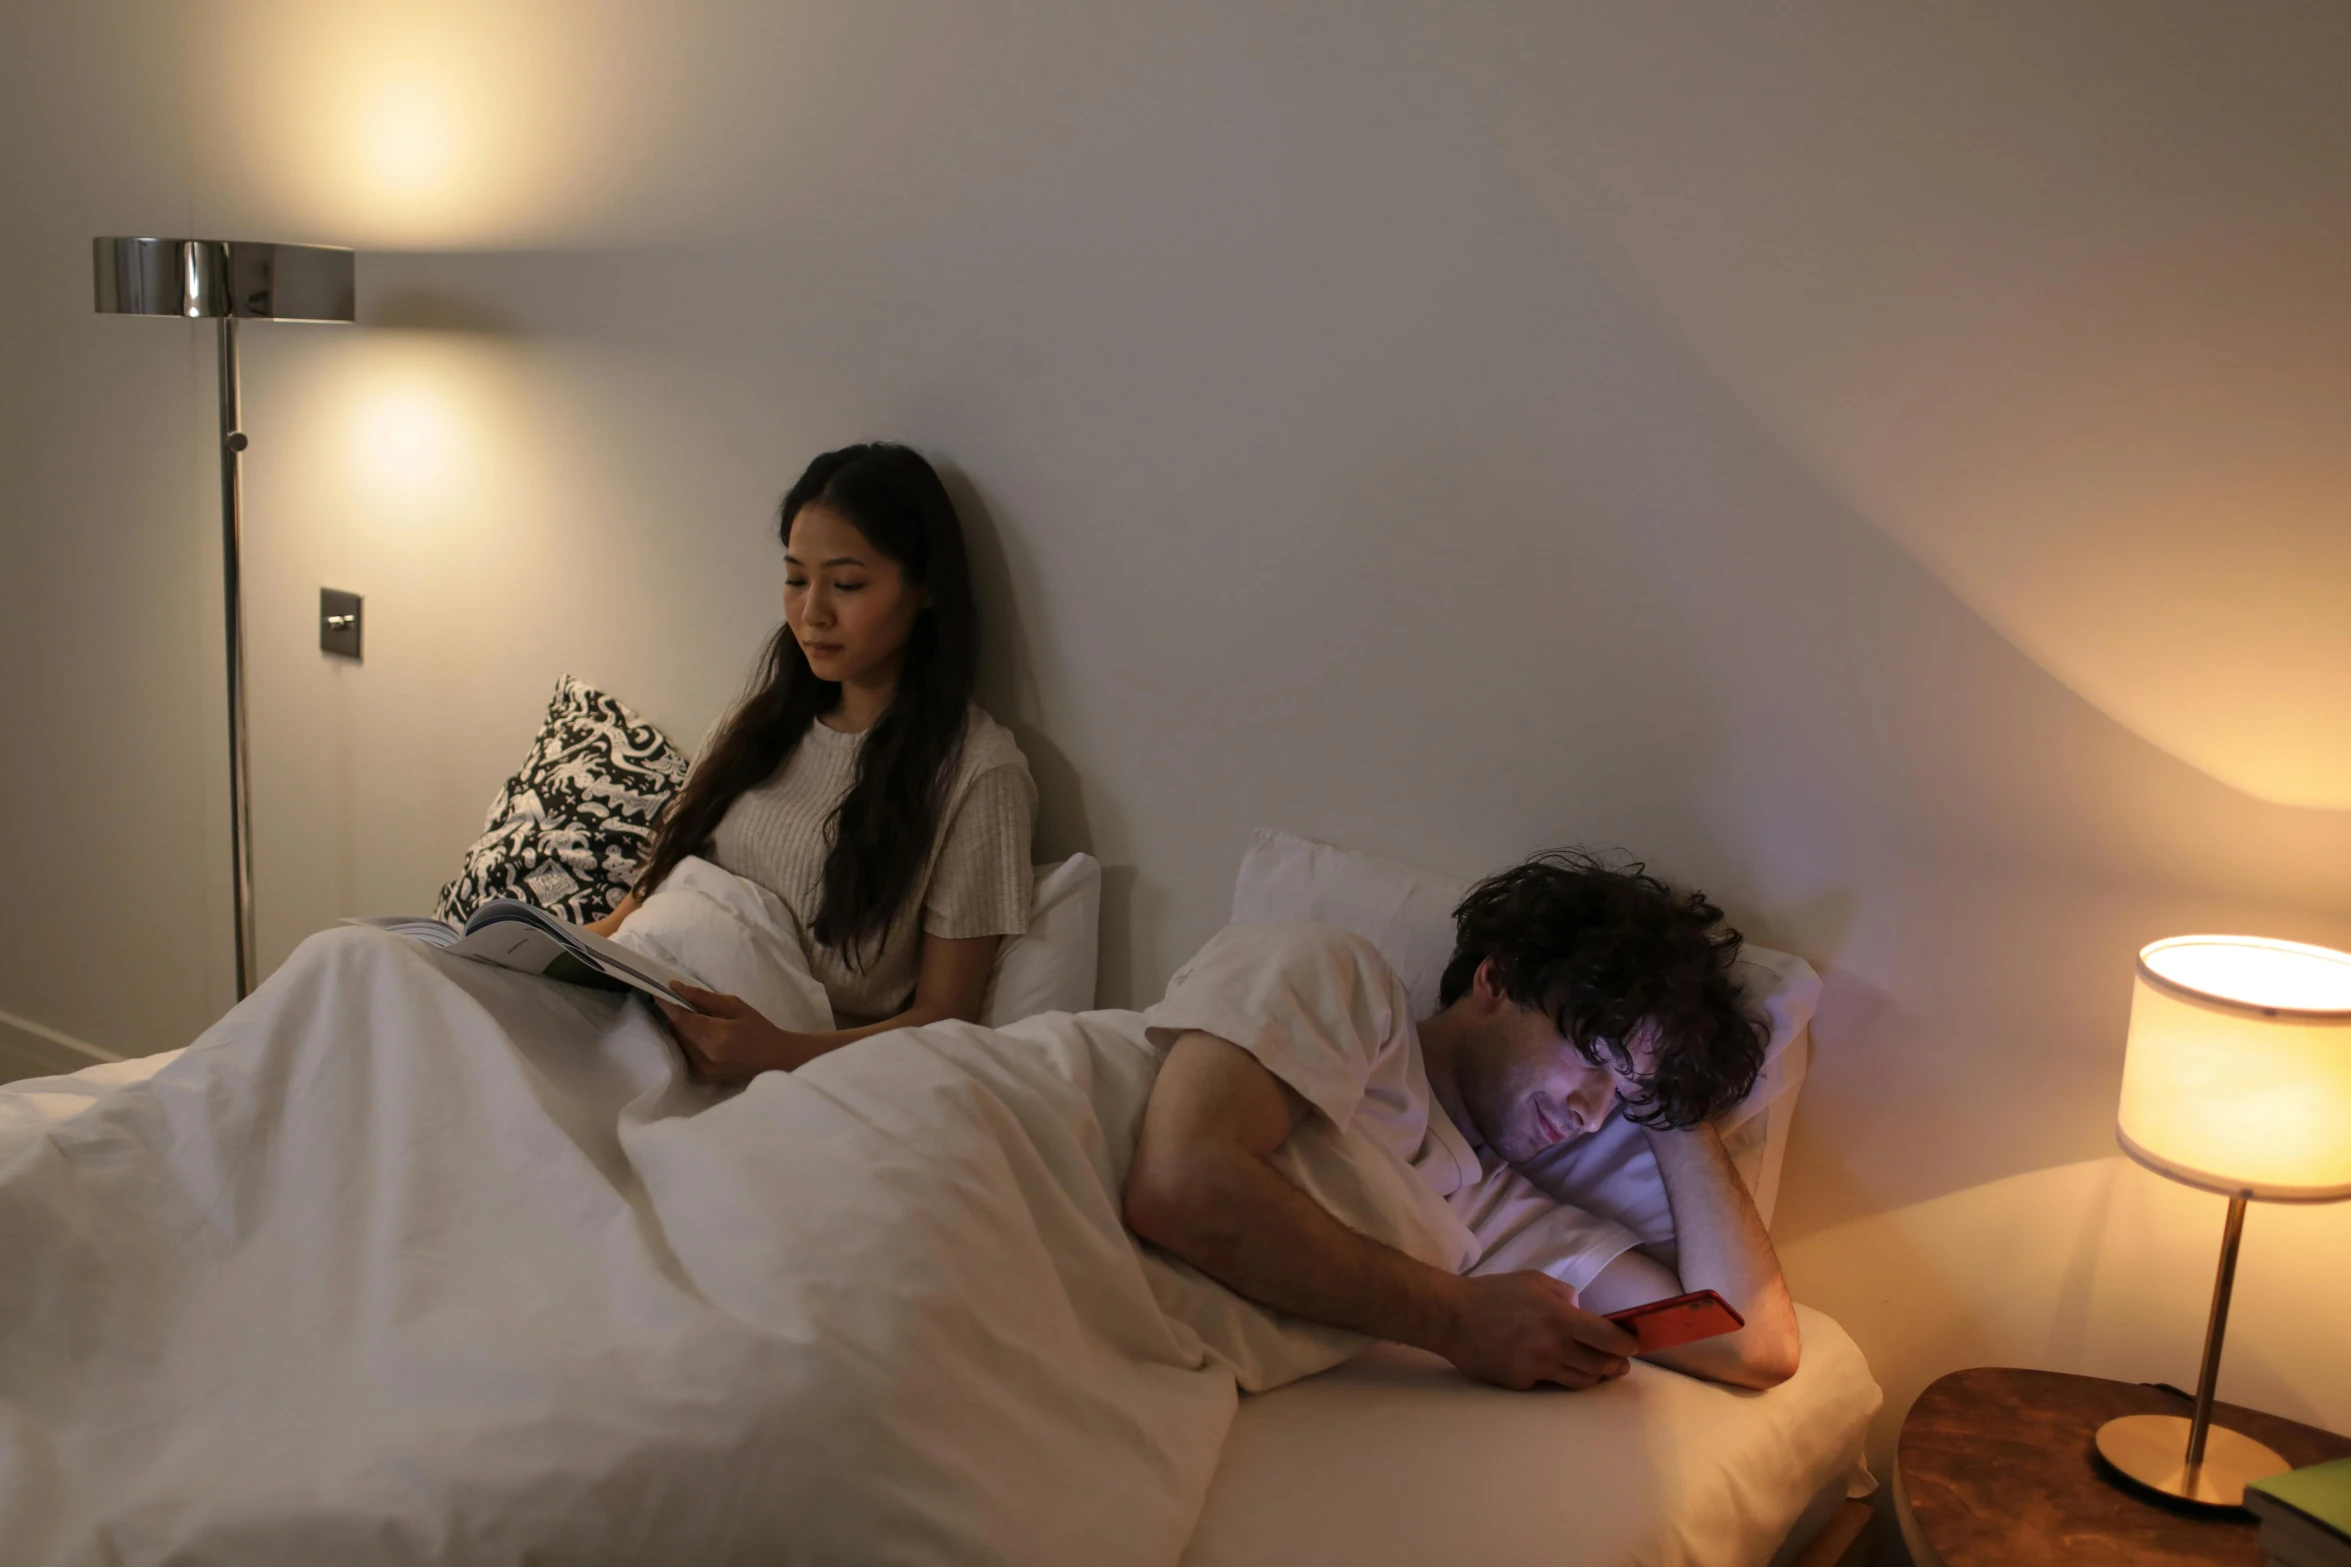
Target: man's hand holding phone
1516 1330
1684 1319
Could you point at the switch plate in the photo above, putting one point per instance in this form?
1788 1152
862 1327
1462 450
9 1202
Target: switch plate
338 623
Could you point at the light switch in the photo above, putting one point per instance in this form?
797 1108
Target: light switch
338 622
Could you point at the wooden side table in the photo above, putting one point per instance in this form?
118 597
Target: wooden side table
1997 1468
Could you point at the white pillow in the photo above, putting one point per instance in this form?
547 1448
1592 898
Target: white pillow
1052 968
1408 914
734 935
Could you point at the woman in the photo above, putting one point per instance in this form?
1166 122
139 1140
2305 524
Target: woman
858 782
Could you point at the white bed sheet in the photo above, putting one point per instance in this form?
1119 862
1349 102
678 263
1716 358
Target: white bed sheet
1396 1458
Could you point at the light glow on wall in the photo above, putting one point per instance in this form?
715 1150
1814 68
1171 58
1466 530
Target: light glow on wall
418 437
405 439
409 140
427 126
2099 1267
2082 359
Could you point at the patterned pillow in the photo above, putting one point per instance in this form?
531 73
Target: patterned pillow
567 831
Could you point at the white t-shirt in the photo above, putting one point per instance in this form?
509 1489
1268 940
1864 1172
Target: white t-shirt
1320 1009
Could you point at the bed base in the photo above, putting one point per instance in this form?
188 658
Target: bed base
1844 1542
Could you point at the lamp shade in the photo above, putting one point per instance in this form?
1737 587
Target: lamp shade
2238 1077
248 279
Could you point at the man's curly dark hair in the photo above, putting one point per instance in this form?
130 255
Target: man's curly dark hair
1603 949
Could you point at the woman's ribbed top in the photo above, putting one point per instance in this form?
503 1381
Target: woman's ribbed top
977 881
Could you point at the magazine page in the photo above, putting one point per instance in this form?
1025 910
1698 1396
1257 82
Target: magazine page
531 948
518 935
421 927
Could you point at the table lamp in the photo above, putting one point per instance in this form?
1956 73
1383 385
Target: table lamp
2237 1081
228 281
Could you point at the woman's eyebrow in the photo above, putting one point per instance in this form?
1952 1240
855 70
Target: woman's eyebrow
791 559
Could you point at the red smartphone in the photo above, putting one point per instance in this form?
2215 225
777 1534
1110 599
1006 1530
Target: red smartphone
1685 1319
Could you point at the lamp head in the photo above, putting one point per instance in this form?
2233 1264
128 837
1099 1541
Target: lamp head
198 278
2238 1076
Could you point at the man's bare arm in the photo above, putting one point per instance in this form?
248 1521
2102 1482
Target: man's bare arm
1722 1246
1202 1188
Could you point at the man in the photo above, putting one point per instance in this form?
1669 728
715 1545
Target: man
1574 987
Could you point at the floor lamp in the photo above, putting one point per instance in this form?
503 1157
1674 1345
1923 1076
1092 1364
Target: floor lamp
228 281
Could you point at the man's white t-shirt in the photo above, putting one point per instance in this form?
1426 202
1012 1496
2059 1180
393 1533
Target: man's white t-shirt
1320 1009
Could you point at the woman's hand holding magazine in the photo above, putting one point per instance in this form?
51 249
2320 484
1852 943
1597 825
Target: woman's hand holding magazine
727 1040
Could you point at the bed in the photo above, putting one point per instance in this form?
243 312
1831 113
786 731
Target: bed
623 1410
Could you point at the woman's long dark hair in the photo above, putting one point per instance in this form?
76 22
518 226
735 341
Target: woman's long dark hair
882 830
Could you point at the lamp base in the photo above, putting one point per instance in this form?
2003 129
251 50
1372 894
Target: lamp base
2153 1450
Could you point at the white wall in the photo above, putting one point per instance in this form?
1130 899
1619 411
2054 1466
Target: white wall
1886 470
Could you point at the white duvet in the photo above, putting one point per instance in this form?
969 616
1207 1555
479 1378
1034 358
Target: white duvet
414 1259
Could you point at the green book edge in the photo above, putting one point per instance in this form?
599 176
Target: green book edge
2321 1493
572 971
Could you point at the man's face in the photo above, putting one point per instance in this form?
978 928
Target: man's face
1529 1088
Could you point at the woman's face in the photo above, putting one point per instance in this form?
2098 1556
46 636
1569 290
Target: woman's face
849 605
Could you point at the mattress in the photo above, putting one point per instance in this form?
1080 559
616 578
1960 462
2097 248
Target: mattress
1397 1458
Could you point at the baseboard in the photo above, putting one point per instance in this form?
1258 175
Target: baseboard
25 1025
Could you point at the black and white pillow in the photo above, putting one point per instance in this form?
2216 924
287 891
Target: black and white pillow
567 831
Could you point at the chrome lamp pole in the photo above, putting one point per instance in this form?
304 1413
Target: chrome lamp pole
228 281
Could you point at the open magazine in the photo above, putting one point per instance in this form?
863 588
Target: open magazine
532 941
